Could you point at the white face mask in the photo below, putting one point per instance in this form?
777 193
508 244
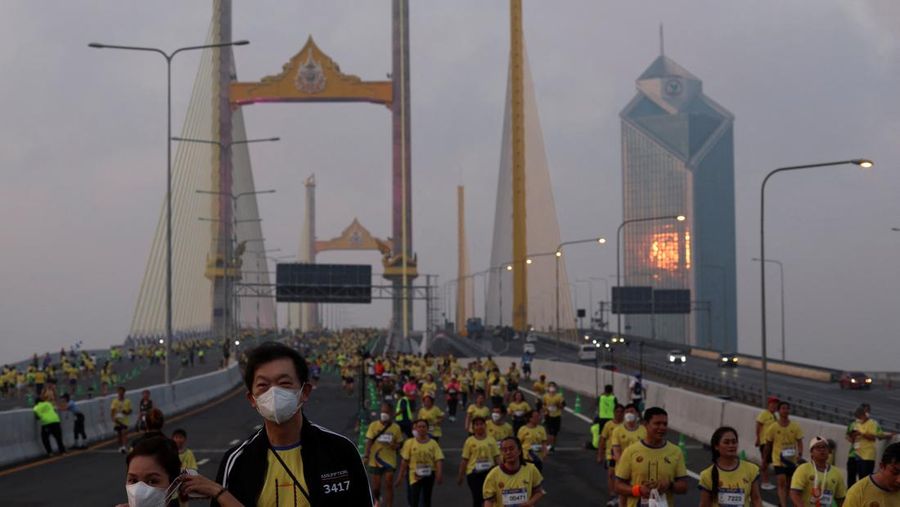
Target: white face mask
142 495
415 433
279 404
496 417
630 418
552 389
385 417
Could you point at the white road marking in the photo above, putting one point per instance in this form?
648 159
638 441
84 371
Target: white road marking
234 442
203 461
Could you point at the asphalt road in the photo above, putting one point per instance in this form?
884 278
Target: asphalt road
885 402
97 476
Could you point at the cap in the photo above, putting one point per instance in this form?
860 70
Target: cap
816 441
773 399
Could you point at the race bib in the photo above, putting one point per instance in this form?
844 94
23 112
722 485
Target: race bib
385 438
513 497
423 470
536 447
452 391
857 445
824 500
482 465
789 453
731 498
551 408
519 413
656 500
430 428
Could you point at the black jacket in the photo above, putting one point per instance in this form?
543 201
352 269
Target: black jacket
332 468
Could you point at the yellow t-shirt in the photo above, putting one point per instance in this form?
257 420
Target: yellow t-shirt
496 389
119 408
382 453
481 454
622 437
279 489
553 403
539 387
784 442
644 465
478 379
187 459
512 489
429 388
518 409
765 418
865 493
813 484
499 431
532 440
432 415
606 436
865 449
735 485
421 458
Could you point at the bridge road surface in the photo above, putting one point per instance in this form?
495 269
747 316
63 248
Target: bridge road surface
885 402
97 476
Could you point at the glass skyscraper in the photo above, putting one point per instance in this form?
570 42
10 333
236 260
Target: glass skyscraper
678 159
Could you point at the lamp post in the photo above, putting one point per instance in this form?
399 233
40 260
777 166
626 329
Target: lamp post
168 57
558 253
864 163
679 218
781 278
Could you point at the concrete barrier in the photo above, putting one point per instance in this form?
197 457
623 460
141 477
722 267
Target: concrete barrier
20 439
693 414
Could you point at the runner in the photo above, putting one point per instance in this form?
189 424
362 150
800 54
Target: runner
423 458
784 442
479 455
289 457
863 434
763 421
497 427
817 483
452 388
433 415
533 439
119 409
152 473
514 482
881 488
78 426
636 392
653 466
606 405
629 432
496 387
429 387
188 460
383 439
477 409
518 407
403 414
605 452
553 408
729 481
144 408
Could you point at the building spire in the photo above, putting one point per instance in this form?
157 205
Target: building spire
662 41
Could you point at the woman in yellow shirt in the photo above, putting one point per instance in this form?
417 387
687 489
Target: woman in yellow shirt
478 409
518 407
479 455
514 482
424 460
729 481
433 416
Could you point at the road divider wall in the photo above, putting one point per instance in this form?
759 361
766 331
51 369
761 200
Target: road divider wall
794 370
20 437
693 414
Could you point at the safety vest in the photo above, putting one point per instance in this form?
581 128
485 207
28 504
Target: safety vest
46 413
399 414
607 406
595 435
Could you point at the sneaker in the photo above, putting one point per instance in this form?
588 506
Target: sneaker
123 450
767 486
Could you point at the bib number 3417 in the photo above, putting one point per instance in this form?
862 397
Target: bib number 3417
336 487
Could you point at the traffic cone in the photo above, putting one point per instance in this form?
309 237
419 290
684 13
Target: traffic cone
361 443
742 455
577 403
682 446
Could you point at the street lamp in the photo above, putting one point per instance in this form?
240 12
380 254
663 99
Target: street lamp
168 57
679 218
558 254
861 162
781 277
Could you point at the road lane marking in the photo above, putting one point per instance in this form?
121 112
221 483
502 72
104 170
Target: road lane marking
203 461
235 441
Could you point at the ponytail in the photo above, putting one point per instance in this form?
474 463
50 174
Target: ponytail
713 443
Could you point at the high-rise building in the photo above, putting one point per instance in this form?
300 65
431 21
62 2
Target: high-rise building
678 159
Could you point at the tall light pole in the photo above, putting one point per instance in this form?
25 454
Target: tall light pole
558 253
679 218
168 57
864 163
781 277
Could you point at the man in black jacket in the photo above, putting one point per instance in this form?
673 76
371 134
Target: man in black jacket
290 457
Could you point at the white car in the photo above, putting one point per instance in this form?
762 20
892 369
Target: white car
677 357
529 348
587 352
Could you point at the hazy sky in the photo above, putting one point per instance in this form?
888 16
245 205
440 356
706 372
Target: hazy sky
82 145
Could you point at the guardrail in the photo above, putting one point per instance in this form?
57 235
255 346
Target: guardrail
20 438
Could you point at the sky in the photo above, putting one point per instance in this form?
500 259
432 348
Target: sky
82 146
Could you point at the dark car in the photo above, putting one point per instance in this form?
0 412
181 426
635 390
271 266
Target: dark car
855 380
730 360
